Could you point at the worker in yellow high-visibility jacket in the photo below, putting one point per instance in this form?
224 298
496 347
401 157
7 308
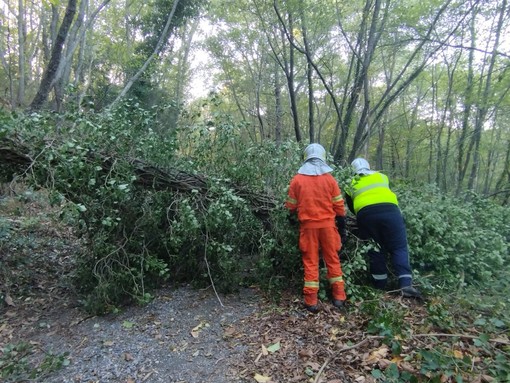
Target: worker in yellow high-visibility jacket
379 217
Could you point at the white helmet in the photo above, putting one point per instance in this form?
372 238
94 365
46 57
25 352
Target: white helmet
315 151
361 166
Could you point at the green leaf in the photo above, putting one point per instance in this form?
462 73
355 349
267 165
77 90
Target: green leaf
81 207
498 323
480 322
274 347
377 374
127 324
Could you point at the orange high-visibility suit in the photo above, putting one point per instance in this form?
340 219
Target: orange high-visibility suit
318 200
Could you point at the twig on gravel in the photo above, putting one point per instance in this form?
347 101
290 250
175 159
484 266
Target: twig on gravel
209 270
147 376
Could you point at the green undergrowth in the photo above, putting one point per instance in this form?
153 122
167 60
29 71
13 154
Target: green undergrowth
453 336
223 223
16 361
209 226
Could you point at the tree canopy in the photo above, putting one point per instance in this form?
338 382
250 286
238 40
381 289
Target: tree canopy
419 88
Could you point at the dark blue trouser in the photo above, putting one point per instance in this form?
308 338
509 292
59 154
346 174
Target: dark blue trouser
385 225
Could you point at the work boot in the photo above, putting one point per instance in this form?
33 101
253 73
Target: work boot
314 309
411 292
339 304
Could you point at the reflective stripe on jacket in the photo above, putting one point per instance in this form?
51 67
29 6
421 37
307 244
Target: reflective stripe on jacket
318 200
371 189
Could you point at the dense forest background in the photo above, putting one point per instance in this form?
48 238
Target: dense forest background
164 134
420 88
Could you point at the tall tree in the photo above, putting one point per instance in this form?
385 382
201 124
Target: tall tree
22 33
483 104
159 45
56 54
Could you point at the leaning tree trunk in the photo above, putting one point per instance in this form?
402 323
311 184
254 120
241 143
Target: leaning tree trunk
50 72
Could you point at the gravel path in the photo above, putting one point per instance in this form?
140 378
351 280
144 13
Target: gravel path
183 336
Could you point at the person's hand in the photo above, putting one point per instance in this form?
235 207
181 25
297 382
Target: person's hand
342 228
292 218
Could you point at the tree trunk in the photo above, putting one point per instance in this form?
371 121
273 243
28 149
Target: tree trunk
182 72
503 184
64 68
309 71
289 74
15 156
290 37
21 59
56 54
462 162
159 44
400 81
278 107
365 50
484 102
445 123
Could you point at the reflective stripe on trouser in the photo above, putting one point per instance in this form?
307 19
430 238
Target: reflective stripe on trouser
329 241
378 269
386 226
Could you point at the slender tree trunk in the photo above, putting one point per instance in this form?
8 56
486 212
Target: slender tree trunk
503 184
484 102
6 58
379 158
365 50
290 37
21 47
289 73
258 109
309 71
159 44
400 81
278 106
51 69
282 60
442 158
182 72
462 162
490 169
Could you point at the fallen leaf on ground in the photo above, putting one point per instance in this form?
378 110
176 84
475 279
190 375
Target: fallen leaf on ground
196 330
313 365
127 324
8 301
261 378
274 347
376 355
127 357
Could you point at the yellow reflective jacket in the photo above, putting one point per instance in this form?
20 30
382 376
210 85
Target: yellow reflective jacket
371 189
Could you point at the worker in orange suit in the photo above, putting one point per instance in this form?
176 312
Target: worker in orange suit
315 196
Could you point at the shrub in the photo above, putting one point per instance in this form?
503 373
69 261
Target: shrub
140 236
454 240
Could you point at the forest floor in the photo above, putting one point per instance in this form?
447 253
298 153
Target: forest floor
183 335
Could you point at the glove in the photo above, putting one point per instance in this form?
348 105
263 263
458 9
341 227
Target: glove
292 218
342 228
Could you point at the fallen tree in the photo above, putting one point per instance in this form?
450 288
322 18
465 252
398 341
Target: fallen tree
144 223
18 157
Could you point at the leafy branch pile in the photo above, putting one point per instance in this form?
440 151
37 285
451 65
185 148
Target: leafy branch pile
200 205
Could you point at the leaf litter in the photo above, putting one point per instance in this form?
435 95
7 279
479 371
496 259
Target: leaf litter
185 335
